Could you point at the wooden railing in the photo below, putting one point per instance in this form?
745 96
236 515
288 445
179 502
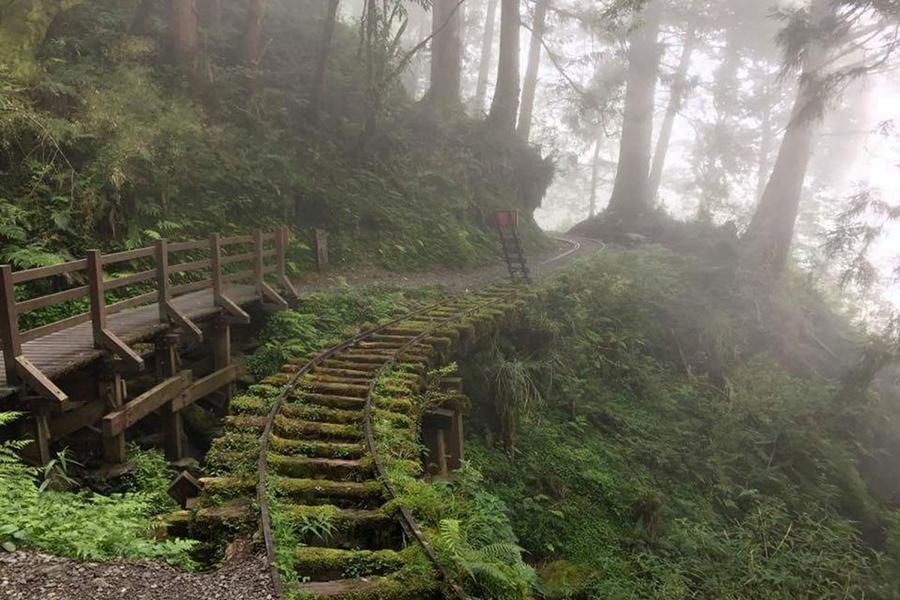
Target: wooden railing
247 258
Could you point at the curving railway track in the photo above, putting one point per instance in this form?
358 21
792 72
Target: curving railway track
311 432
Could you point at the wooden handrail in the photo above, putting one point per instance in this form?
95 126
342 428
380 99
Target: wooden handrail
51 299
42 272
237 239
264 247
186 267
185 246
117 257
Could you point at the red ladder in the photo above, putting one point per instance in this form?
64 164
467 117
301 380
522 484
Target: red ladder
508 229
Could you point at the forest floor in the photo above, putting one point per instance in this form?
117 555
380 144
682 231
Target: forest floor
28 575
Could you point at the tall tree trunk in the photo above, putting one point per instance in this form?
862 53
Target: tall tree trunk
318 88
487 51
595 179
725 98
505 105
253 44
676 101
446 54
767 242
630 198
765 148
529 87
185 32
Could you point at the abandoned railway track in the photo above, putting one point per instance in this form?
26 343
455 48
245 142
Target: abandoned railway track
305 441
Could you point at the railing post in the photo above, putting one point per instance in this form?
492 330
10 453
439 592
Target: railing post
98 300
281 242
9 320
164 293
258 261
322 250
215 262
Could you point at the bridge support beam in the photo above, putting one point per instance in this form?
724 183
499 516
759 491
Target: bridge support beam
173 428
221 351
112 391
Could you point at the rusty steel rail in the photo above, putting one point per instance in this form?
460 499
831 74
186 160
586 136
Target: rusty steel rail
263 459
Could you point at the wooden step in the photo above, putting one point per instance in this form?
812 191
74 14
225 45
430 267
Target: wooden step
298 429
323 564
346 528
331 400
341 389
321 468
344 494
316 449
340 372
314 412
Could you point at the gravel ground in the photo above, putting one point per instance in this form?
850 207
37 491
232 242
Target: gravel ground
33 576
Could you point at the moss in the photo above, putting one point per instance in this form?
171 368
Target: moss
290 427
346 563
264 390
247 404
316 449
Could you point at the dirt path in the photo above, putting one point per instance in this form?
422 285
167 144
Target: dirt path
29 575
568 249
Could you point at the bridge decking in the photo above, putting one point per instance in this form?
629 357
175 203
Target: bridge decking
73 348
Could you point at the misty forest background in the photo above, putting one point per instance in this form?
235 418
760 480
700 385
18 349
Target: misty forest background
707 409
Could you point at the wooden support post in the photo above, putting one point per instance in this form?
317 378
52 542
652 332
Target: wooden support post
9 321
322 250
98 300
221 348
112 390
457 443
258 262
167 359
442 454
42 437
215 262
164 293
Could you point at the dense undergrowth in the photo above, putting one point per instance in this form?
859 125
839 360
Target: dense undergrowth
648 445
108 143
44 509
467 525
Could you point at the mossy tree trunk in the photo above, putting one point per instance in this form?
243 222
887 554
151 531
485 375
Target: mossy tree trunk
23 27
446 54
505 107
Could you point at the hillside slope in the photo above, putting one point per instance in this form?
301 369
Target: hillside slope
649 442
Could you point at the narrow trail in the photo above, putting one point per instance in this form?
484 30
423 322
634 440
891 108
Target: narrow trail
306 440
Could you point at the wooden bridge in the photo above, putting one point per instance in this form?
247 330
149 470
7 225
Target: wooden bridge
174 290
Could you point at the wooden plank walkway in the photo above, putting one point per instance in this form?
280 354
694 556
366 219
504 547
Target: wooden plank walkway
73 348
